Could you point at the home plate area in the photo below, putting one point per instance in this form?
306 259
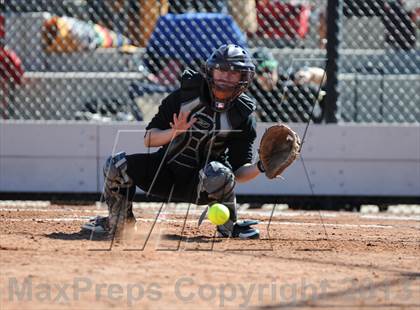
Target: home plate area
304 259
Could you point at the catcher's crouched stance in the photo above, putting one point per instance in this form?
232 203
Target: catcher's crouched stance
206 130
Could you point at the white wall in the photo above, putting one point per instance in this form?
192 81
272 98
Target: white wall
372 160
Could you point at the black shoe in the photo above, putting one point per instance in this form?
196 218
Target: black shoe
242 230
98 225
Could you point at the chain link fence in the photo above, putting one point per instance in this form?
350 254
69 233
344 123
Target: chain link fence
115 60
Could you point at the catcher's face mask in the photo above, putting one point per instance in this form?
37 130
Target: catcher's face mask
225 84
229 71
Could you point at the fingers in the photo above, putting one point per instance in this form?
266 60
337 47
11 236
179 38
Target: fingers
175 120
186 114
181 117
180 121
178 118
191 122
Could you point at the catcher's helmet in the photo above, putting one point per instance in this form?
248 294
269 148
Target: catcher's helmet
229 58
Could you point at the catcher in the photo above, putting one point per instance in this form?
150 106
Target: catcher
206 130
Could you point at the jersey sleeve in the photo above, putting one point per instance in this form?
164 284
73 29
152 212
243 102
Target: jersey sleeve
164 116
240 144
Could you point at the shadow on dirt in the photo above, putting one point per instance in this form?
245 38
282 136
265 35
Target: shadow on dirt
197 239
77 236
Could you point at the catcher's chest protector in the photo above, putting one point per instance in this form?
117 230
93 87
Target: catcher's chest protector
204 139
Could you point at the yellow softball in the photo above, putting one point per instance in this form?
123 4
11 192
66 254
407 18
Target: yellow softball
218 214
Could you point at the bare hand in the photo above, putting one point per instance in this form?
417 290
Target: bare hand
303 76
311 75
180 123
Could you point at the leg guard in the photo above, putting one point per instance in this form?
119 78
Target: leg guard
219 182
117 190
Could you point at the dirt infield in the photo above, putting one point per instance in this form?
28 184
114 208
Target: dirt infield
346 260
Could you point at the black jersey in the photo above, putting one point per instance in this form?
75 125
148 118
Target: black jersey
223 136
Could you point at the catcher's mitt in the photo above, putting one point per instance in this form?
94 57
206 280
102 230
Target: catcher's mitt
279 147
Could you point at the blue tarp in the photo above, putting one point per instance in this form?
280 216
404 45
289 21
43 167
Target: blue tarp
191 37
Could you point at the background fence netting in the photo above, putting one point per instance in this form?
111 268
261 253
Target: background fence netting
115 60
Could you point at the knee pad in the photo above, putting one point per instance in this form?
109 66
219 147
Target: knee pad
217 180
117 189
115 173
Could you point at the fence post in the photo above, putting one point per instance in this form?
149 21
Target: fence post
334 21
